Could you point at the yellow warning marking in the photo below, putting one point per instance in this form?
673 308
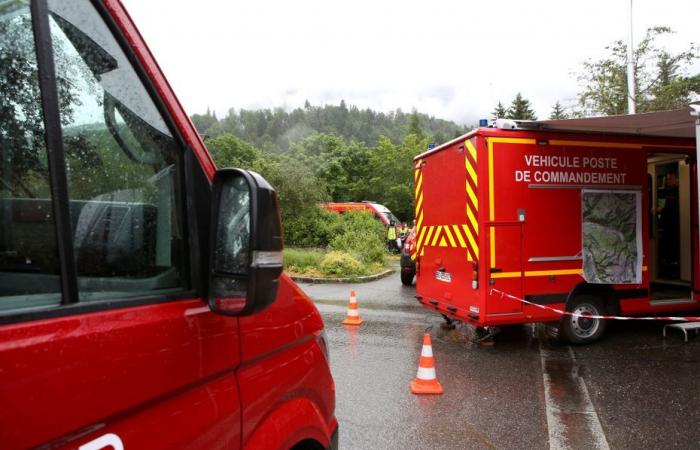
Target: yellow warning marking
437 235
420 237
472 196
443 242
419 222
459 236
448 233
419 183
430 233
471 171
472 218
472 150
419 203
474 247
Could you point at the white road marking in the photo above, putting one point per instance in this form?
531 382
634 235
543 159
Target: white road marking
572 420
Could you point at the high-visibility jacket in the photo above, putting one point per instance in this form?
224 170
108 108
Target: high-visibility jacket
391 234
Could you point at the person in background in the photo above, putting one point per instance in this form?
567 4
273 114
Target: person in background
399 239
391 237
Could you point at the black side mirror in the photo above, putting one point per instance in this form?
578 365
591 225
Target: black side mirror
246 243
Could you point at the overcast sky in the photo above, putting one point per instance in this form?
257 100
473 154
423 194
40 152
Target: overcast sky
451 59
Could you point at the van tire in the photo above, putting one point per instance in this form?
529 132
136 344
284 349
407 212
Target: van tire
407 277
582 330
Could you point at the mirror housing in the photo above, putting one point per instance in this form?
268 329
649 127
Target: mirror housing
245 262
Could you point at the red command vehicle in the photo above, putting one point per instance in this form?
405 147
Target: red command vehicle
380 211
594 224
142 303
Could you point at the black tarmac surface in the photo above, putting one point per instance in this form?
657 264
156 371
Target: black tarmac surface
634 389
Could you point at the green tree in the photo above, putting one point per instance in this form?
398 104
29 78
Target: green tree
414 125
661 78
500 112
558 112
229 151
203 121
520 109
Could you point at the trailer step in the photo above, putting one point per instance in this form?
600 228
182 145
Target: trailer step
684 327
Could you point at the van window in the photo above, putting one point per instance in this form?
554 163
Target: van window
123 164
29 266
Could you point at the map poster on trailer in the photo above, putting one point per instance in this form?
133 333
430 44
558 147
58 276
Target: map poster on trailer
611 229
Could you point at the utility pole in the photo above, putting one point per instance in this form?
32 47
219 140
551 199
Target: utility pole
631 104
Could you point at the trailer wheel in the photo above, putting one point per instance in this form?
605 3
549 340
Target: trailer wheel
583 330
407 277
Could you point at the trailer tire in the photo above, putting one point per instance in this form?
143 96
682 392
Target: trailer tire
407 277
583 330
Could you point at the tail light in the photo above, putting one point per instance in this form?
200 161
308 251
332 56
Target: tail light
475 275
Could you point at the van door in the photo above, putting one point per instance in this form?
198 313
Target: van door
505 269
104 341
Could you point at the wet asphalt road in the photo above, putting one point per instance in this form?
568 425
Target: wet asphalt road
634 389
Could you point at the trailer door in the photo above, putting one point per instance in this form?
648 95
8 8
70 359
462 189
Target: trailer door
505 269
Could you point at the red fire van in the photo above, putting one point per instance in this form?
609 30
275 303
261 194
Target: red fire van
142 301
381 212
595 224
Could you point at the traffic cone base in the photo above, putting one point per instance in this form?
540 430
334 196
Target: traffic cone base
352 321
423 387
353 315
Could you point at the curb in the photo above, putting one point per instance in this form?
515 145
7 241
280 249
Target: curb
314 280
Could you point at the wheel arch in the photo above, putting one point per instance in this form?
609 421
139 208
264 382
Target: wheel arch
297 422
604 292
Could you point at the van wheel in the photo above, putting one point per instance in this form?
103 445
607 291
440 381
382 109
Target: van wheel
407 277
583 330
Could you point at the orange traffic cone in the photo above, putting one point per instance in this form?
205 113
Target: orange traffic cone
353 316
426 381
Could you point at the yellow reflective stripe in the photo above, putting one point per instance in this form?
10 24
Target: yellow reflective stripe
420 237
419 203
594 144
545 273
512 141
430 233
474 247
506 274
471 171
472 218
437 235
448 233
419 183
415 174
469 256
536 273
472 150
443 242
459 236
472 196
419 222
492 231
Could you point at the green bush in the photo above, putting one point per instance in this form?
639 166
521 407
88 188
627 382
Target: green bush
314 227
341 264
361 235
302 260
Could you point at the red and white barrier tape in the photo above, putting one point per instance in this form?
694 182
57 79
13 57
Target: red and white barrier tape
591 316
